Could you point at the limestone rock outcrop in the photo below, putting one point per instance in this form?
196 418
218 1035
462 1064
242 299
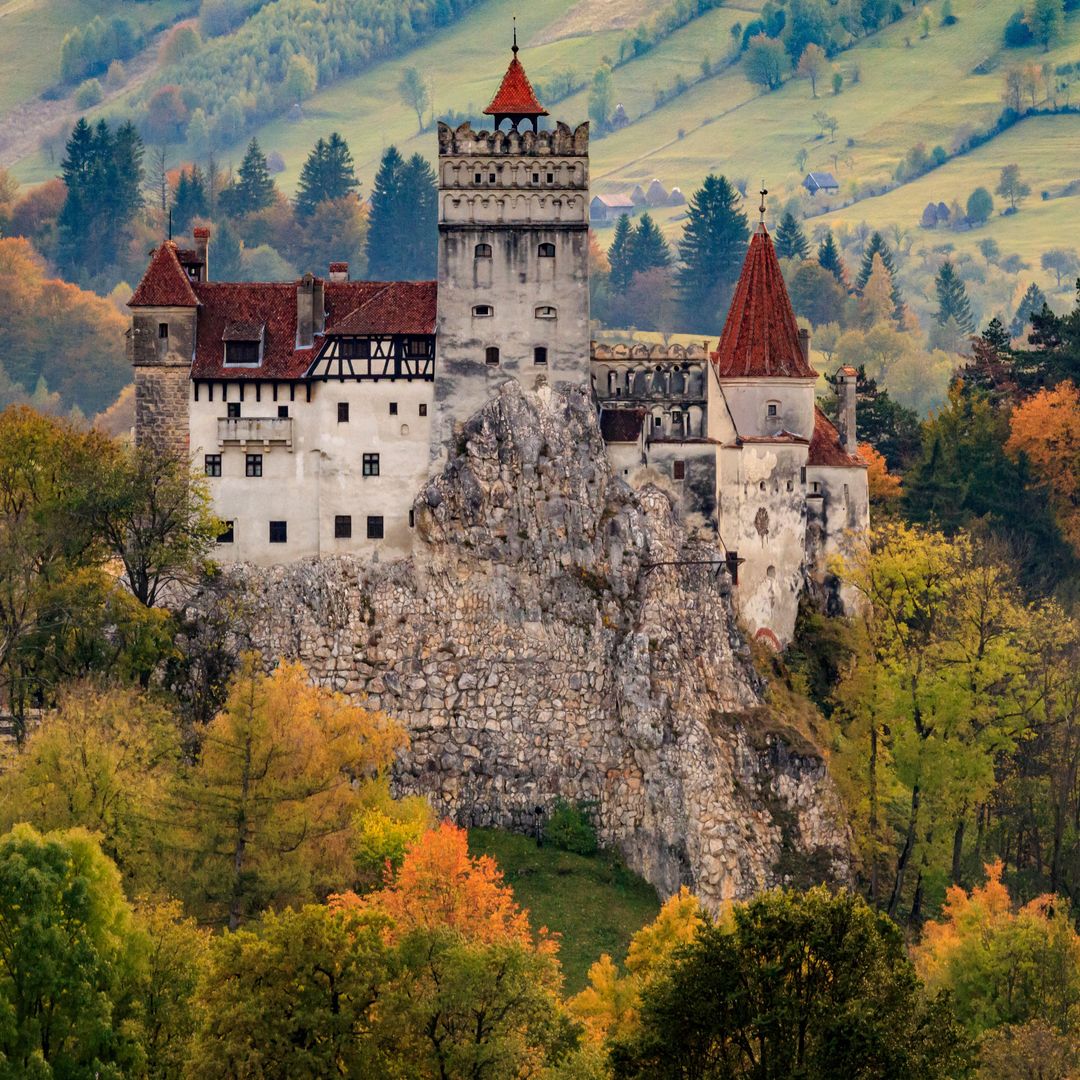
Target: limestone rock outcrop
557 636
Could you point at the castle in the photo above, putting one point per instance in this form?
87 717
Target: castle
317 409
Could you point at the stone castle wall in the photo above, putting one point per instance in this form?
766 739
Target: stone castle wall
537 646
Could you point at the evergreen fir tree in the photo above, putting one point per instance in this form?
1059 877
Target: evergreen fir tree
711 254
1032 303
829 259
953 300
254 188
877 246
226 254
386 221
649 249
418 247
996 336
620 256
129 174
189 198
328 173
76 170
790 241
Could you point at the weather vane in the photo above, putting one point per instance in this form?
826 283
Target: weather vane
761 209
515 48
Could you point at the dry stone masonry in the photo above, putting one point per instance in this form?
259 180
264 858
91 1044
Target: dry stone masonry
553 637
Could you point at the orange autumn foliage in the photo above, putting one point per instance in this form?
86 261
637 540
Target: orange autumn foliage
441 886
1046 430
884 487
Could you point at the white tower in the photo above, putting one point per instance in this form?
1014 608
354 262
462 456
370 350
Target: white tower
513 254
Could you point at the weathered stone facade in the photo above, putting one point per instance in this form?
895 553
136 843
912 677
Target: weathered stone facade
539 643
162 344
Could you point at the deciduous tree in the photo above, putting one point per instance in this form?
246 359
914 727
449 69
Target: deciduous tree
1011 186
414 92
764 62
813 65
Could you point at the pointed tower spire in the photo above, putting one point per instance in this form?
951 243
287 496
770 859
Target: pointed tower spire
515 99
761 336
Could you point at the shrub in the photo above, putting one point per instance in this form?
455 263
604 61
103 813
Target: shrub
89 94
571 829
1017 32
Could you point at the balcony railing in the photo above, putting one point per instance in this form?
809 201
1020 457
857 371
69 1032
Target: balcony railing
255 430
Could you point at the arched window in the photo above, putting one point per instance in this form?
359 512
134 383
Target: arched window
546 251
482 311
482 251
540 354
491 355
546 311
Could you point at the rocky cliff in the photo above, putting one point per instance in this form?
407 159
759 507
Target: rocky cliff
556 635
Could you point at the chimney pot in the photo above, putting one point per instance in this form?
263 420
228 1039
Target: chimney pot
804 344
202 246
339 271
305 312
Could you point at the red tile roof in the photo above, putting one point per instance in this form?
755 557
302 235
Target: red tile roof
515 96
826 447
165 283
761 337
398 307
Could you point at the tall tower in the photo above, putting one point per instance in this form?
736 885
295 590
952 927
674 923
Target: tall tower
513 254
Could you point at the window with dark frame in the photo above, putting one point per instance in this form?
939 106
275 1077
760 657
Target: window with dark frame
279 532
241 353
491 355
482 311
545 311
233 410
371 465
354 348
423 410
253 465
416 348
412 519
283 412
482 251
546 251
678 470
342 412
374 528
226 535
162 329
342 526
393 408
212 464
540 354
773 408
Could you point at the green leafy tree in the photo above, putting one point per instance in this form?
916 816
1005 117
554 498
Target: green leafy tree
328 173
600 99
711 253
816 294
649 250
1046 20
1061 262
980 206
829 258
790 241
1056 338
953 300
765 62
301 78
413 91
812 984
1011 186
253 189
620 255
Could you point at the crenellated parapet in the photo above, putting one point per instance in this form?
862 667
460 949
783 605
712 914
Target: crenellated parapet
637 350
561 141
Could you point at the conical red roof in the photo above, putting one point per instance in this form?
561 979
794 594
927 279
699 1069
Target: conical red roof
761 337
165 283
515 96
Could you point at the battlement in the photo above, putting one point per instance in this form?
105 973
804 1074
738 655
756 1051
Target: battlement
659 353
463 141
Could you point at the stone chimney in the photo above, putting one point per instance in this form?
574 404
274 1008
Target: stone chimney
318 306
305 312
202 249
339 271
845 386
804 344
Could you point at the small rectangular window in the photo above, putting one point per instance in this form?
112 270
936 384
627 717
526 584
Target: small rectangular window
393 408
253 465
412 519
478 178
540 354
374 528
423 410
371 464
226 535
343 527
772 409
656 421
283 412
491 355
213 464
678 470
279 532
234 409
162 329
342 412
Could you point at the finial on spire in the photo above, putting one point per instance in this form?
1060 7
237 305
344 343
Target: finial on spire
514 50
761 209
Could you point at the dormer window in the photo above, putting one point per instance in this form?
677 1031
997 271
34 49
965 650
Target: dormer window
546 251
482 311
546 311
482 251
243 344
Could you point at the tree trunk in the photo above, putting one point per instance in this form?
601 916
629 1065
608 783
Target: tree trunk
905 854
873 815
957 850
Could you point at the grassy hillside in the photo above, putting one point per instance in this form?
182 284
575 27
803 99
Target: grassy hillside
595 903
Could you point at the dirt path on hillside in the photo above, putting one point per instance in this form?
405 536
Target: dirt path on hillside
21 129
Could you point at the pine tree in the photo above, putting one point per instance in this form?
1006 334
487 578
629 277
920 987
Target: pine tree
953 300
1032 303
620 256
649 249
386 223
189 198
328 173
418 248
790 241
76 170
226 254
711 252
829 259
996 336
254 189
877 246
